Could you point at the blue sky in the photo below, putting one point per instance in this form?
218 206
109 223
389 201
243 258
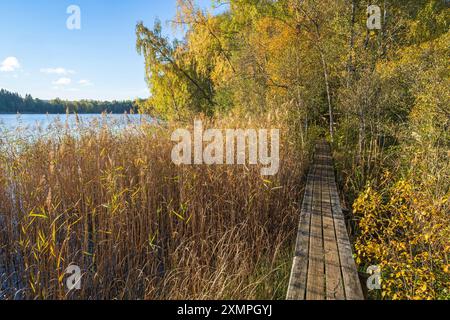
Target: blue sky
39 55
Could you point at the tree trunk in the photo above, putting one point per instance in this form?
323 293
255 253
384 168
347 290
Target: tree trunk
350 66
327 85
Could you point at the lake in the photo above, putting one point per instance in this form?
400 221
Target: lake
43 121
28 127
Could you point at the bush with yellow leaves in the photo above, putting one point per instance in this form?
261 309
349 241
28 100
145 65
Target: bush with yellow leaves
406 233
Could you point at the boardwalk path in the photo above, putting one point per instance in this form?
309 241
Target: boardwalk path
323 266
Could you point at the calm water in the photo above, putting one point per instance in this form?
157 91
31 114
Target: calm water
44 121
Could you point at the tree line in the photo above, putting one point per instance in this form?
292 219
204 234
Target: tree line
14 103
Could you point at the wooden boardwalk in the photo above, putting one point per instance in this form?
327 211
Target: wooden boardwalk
323 267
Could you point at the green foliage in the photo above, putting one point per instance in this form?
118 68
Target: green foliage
254 58
176 86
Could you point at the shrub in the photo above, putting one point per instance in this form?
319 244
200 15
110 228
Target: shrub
405 232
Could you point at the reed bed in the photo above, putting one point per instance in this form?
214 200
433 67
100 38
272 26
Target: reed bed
139 227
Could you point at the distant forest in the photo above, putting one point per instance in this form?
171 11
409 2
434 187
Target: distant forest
14 103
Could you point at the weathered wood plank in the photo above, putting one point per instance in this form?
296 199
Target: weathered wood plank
323 266
316 269
352 284
297 283
334 282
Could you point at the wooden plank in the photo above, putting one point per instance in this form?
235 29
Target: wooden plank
315 289
334 282
352 284
323 266
297 283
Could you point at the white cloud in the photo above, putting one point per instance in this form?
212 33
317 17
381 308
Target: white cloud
62 82
10 64
85 83
60 71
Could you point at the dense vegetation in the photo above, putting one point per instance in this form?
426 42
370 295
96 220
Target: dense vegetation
141 227
14 103
381 97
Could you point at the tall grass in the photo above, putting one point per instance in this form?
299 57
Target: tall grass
140 227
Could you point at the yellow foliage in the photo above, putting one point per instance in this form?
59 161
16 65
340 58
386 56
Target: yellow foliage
407 235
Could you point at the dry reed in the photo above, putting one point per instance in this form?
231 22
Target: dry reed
140 227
